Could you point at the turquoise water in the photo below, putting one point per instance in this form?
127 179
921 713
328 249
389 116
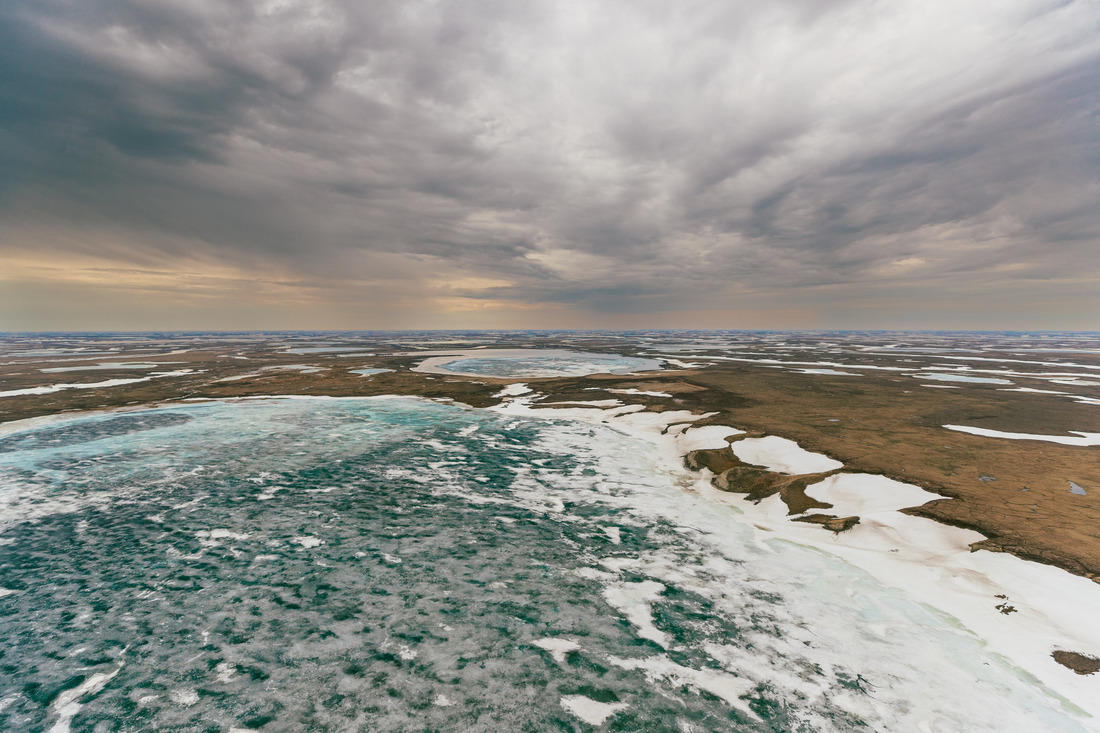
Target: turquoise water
394 564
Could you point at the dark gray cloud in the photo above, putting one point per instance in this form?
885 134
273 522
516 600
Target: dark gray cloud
633 157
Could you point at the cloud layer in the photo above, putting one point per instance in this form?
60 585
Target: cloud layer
372 164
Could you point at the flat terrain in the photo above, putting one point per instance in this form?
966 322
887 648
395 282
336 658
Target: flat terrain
877 402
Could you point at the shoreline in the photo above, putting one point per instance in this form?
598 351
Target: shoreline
1034 500
922 557
1053 524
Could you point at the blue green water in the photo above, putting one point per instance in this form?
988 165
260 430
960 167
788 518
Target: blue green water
394 564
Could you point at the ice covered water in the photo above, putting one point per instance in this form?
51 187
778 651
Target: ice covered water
528 363
393 564
952 377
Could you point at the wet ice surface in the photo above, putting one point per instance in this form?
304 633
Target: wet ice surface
394 564
528 363
947 377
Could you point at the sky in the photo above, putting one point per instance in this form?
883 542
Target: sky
352 164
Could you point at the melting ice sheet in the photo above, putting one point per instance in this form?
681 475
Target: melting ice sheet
394 564
528 363
954 377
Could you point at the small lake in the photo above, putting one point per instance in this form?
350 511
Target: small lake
534 363
950 377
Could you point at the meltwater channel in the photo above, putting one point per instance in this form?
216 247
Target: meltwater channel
397 564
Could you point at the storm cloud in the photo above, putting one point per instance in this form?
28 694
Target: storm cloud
438 164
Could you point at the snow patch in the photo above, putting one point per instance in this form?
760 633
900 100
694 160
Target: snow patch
1084 439
783 456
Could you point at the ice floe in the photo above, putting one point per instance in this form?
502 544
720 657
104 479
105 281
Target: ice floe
720 684
557 647
633 600
67 704
591 711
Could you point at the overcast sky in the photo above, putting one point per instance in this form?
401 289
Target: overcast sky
358 164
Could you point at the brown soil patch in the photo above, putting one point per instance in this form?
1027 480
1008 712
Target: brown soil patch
889 425
830 522
1079 663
